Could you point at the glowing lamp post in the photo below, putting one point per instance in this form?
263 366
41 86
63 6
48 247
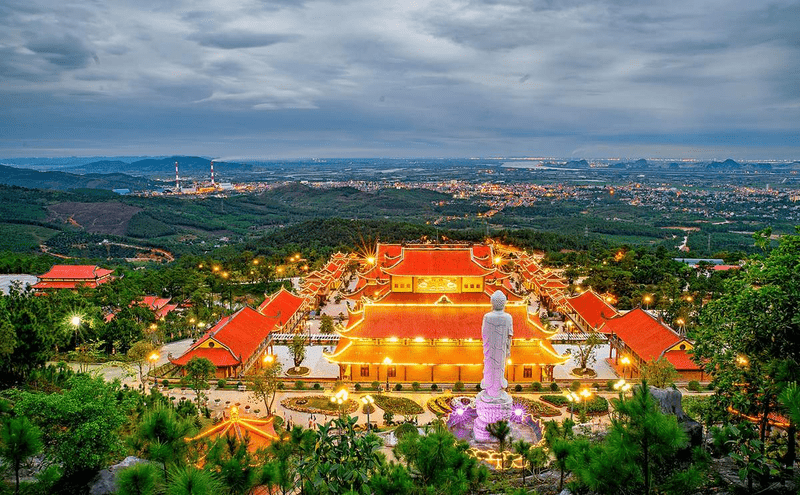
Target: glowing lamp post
625 362
387 361
153 358
647 300
622 387
367 400
572 397
340 399
585 394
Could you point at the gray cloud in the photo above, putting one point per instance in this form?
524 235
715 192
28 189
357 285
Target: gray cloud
450 77
241 39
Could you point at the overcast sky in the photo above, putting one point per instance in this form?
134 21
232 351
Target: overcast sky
273 79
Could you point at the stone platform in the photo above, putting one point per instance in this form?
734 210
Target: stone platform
490 410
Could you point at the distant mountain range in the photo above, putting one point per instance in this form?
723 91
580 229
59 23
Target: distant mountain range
151 167
63 181
187 165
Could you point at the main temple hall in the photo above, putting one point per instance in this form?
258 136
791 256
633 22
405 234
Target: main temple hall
416 313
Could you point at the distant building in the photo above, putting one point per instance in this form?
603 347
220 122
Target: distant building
72 277
693 262
122 192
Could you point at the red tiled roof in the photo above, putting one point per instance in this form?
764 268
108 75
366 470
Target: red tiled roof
592 308
282 305
67 285
722 268
165 310
349 352
433 322
155 302
681 360
430 262
82 272
241 332
219 356
645 335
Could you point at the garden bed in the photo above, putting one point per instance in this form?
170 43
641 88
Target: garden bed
536 408
555 400
301 371
317 404
398 405
442 405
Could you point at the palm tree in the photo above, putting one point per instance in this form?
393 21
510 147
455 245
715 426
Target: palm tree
139 479
19 440
501 431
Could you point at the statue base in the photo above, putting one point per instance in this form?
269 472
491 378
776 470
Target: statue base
490 410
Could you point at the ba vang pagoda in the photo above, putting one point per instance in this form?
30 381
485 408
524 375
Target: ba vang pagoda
416 314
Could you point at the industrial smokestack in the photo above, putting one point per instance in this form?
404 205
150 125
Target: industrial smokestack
212 172
177 178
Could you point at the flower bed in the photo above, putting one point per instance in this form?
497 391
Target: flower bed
597 405
536 408
317 404
398 405
556 400
442 405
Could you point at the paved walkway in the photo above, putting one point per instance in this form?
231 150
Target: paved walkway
601 366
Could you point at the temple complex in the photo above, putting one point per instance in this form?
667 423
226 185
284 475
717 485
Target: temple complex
417 312
72 277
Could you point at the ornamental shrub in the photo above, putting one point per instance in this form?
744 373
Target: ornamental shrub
357 387
405 429
554 387
317 386
376 385
575 386
398 387
281 385
478 387
536 386
434 386
694 386
458 387
221 383
610 385
415 386
299 385
165 383
517 388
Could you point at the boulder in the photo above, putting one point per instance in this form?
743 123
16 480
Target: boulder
670 402
105 482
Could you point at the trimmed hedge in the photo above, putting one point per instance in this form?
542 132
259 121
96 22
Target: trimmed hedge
556 400
398 405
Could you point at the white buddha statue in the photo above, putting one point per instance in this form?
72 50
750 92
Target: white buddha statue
497 331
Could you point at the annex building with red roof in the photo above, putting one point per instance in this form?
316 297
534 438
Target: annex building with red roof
589 311
642 337
417 314
73 277
237 343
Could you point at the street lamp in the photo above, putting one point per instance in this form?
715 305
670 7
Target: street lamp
367 400
572 397
585 394
622 386
647 300
153 358
625 362
387 361
340 399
